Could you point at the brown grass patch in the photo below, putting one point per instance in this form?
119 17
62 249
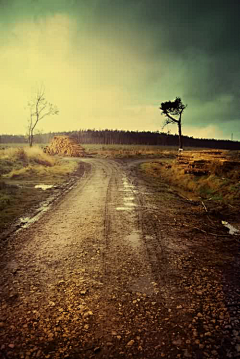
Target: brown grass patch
31 163
20 170
219 183
128 151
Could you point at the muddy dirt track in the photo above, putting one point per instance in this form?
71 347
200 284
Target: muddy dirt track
119 268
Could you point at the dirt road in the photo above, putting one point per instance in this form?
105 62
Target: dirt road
118 269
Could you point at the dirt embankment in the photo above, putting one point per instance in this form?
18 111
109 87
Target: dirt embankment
120 268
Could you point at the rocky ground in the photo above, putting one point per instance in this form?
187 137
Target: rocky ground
121 267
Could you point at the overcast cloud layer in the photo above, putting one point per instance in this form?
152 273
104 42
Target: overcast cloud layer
110 64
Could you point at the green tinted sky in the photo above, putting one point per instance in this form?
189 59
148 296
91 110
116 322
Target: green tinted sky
109 64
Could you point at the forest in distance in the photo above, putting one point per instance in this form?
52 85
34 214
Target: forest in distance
110 137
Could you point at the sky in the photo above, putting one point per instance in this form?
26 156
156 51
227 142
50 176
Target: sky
110 64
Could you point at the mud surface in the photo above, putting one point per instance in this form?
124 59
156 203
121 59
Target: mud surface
119 268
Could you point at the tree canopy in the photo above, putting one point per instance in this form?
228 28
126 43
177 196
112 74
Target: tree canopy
174 108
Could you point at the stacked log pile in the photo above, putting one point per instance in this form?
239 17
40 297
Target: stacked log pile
203 162
65 146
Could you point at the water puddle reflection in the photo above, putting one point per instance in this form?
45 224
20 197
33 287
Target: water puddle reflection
129 204
44 186
128 199
124 209
232 230
128 186
134 239
27 221
129 189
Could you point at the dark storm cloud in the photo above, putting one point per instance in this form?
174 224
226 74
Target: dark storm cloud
185 30
197 39
190 48
194 33
208 25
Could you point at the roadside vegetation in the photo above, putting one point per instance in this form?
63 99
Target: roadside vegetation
220 185
125 151
21 169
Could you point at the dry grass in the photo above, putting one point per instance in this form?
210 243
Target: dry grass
218 185
32 162
41 171
20 170
127 151
27 155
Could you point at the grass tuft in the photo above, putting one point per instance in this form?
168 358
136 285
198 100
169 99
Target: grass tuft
219 185
20 170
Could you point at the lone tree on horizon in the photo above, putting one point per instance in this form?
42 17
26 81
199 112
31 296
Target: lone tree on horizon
174 108
39 108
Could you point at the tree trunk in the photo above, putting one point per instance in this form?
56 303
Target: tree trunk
31 139
180 135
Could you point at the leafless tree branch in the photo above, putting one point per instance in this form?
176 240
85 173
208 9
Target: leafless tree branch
39 108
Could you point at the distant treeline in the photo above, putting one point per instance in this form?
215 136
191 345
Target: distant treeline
106 137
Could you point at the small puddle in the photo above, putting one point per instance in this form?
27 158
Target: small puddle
124 209
44 186
128 191
27 221
134 239
128 199
130 204
232 230
128 186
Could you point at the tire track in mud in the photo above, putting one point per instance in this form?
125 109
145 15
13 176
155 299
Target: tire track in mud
156 241
106 227
154 248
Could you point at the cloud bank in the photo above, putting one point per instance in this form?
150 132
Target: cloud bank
110 64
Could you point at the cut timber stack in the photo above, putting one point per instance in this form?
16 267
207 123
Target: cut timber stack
65 146
201 162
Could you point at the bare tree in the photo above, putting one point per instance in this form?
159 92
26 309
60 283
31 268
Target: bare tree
39 108
174 108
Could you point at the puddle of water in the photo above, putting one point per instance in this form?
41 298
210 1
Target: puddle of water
232 230
44 186
128 186
128 200
129 190
27 221
124 209
134 239
129 204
